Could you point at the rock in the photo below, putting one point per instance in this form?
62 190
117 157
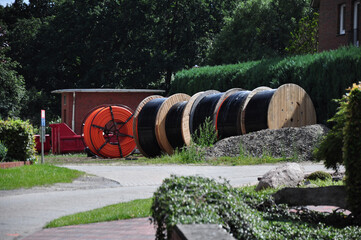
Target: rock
331 196
289 175
295 143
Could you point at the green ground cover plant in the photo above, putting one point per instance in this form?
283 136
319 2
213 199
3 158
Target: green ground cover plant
133 209
245 213
35 175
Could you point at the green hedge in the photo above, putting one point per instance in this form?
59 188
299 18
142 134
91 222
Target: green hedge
352 150
324 76
18 137
243 212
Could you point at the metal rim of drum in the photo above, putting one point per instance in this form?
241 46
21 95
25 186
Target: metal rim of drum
290 106
160 130
250 95
186 126
135 121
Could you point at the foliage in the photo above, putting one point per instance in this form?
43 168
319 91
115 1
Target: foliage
12 87
18 136
3 151
305 39
106 44
257 29
352 150
319 175
29 176
125 210
330 148
206 134
243 212
338 68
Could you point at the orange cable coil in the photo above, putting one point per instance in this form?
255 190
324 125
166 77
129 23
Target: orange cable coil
108 131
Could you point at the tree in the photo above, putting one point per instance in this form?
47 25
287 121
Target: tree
258 29
183 29
12 89
305 38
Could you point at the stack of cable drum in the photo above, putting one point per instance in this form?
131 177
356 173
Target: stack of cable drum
108 131
163 124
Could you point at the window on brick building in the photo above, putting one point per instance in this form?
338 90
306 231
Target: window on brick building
356 27
342 16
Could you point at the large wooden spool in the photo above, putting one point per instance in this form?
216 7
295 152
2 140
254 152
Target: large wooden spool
135 122
186 133
287 106
160 130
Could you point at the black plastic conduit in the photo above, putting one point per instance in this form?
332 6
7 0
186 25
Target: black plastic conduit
173 124
205 108
146 127
256 111
229 115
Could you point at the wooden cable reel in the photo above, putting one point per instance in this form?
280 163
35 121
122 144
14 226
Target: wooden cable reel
161 131
287 106
159 121
149 124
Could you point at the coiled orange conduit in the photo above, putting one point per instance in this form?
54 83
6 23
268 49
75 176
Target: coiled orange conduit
108 131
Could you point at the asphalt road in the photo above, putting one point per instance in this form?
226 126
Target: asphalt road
23 212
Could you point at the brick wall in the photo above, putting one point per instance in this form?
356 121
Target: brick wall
86 101
329 37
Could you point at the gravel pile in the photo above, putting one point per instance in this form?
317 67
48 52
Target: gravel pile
286 142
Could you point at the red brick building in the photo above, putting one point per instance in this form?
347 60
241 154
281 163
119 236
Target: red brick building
76 103
339 23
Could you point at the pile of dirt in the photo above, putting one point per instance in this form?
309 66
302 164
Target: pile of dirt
292 142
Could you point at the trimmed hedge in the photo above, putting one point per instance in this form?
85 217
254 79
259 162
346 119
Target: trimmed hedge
243 212
324 76
18 137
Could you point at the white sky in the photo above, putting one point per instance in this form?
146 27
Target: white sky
4 2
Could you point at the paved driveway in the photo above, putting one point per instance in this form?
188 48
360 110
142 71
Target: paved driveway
25 212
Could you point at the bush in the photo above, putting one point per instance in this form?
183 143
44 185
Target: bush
352 150
206 134
3 151
244 213
319 175
324 76
330 148
18 136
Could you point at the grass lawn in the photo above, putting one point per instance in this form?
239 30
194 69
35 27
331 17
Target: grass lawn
165 159
133 209
141 208
35 175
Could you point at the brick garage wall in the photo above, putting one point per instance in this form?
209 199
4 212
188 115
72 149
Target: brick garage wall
329 37
86 101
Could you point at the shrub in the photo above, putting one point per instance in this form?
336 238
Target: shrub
243 212
352 150
206 135
18 136
330 147
319 175
3 151
324 76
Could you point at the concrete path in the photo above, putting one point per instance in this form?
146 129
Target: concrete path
23 213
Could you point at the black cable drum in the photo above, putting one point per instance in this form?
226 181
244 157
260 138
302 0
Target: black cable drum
229 115
256 112
173 124
204 109
146 127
